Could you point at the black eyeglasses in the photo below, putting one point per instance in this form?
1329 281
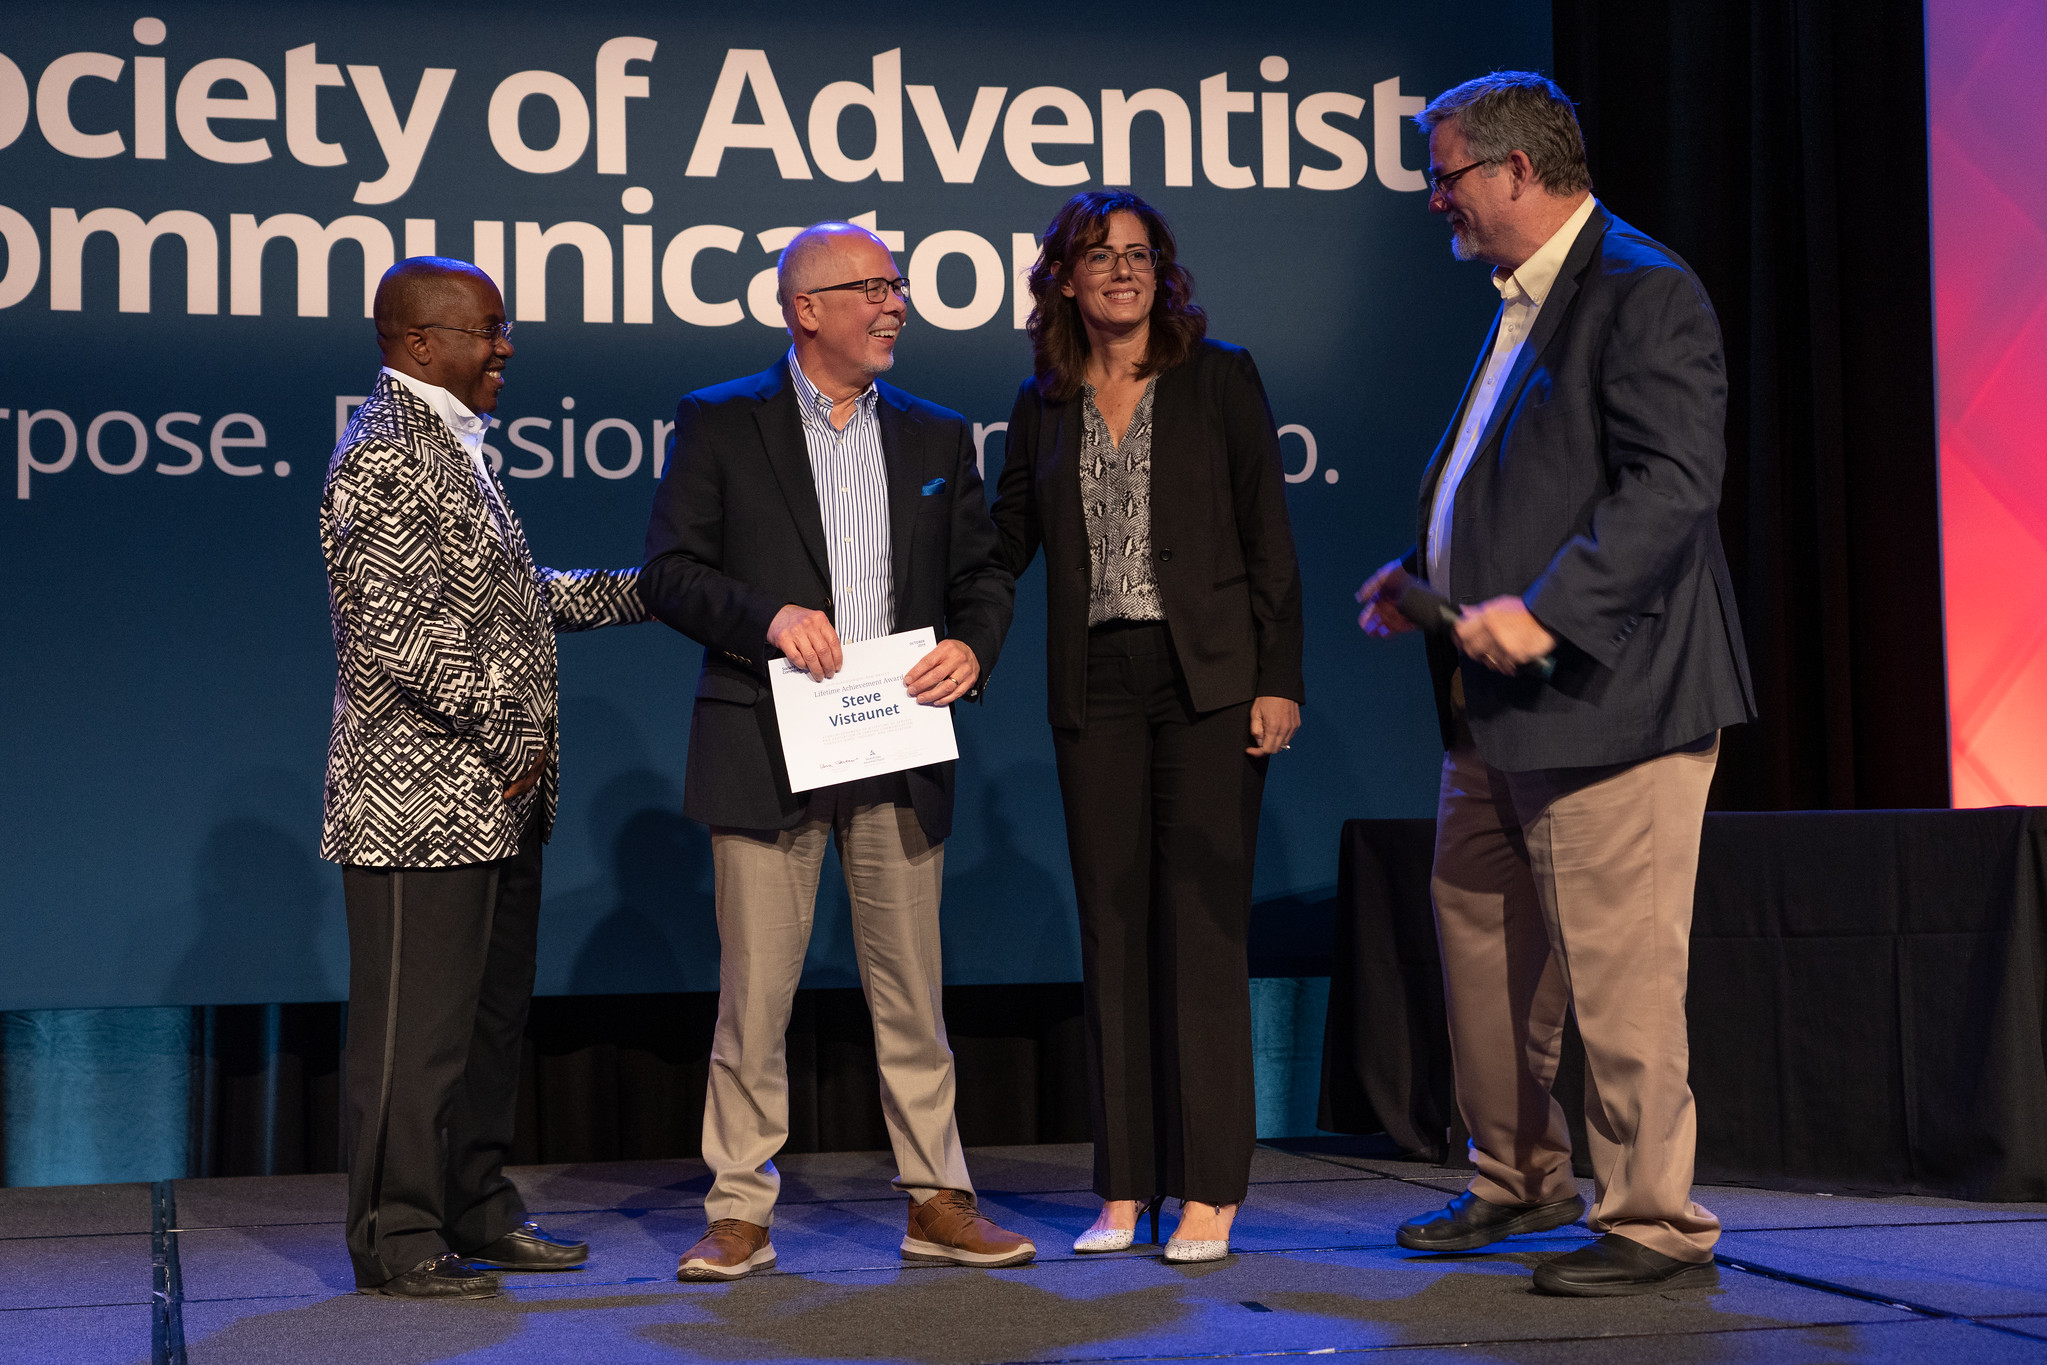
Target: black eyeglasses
1100 260
494 331
1440 183
876 288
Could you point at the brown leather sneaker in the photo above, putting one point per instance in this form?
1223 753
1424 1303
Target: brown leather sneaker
729 1249
947 1229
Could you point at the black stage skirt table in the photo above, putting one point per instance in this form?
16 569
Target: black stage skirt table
1868 1001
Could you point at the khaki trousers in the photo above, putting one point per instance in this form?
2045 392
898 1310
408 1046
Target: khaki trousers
1571 889
766 896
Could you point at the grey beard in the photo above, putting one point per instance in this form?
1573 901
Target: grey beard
1461 246
872 371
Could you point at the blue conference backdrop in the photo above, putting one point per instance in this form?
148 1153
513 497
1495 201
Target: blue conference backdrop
196 199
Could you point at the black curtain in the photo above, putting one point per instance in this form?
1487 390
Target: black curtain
621 1077
266 1089
1779 146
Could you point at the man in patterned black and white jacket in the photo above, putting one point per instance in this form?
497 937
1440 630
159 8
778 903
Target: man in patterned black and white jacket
441 789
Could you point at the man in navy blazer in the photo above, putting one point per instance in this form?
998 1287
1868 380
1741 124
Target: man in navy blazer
1570 517
804 507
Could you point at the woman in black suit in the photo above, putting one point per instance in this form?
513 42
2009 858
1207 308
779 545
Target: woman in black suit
1142 458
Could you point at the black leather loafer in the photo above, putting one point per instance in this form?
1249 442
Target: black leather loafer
1468 1222
444 1277
527 1247
1615 1265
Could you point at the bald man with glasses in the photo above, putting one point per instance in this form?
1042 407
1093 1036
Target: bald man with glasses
805 507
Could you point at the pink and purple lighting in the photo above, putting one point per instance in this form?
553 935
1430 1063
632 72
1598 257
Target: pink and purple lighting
1987 111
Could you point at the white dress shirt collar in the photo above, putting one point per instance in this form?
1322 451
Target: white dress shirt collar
1522 293
1534 277
467 427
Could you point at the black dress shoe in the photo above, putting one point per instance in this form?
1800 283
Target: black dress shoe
527 1247
1616 1265
1468 1222
444 1277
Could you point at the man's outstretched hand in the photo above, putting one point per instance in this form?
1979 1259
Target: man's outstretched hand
808 640
1380 597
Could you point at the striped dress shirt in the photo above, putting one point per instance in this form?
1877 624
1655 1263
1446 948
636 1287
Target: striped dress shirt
852 496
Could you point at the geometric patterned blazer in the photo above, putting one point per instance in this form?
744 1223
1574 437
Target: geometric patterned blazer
444 640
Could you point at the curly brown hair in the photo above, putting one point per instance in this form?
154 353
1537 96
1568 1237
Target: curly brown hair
1059 345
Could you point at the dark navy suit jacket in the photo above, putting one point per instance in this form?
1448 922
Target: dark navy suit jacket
1594 497
736 535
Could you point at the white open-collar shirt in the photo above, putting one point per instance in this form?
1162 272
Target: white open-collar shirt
1522 291
468 428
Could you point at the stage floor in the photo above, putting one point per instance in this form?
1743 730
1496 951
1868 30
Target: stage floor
253 1270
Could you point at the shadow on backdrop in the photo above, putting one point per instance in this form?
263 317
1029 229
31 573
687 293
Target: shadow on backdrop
997 881
267 910
654 928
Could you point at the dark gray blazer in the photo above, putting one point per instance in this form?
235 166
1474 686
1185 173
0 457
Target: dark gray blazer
736 535
1594 497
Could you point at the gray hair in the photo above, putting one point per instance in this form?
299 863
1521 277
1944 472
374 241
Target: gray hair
796 270
1522 111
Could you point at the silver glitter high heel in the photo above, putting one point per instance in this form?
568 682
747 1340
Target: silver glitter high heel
1094 1242
1103 1239
1190 1251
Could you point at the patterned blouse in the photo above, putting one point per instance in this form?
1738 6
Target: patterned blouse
1115 497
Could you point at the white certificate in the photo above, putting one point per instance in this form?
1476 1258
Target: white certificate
861 721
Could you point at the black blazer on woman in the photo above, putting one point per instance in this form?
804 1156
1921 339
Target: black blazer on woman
1225 555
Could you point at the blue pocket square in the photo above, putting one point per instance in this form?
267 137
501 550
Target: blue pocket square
936 486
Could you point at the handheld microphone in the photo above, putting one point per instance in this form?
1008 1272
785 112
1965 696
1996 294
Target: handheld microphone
1431 612
1434 614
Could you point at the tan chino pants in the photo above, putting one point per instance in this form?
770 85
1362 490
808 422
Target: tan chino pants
1571 889
766 897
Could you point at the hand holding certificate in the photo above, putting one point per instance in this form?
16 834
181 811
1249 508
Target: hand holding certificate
862 720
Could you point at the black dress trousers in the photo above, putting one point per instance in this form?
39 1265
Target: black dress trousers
440 976
1162 827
